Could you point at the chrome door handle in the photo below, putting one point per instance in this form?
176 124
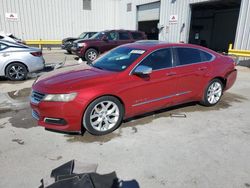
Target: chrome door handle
202 68
171 74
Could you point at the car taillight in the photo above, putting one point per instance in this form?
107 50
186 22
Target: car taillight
37 54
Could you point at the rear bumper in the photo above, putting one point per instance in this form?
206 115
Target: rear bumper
37 64
231 78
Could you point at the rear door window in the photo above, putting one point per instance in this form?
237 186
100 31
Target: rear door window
159 59
124 36
206 56
188 56
137 35
112 35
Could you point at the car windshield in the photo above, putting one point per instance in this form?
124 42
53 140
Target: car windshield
118 59
97 35
82 35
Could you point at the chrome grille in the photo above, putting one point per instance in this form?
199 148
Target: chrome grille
36 97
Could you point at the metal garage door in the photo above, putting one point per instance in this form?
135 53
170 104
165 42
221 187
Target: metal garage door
149 12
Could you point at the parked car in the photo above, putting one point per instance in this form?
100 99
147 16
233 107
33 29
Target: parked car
16 60
130 80
104 41
67 43
10 37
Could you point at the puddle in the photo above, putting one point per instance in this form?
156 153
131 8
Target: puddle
88 138
20 94
245 63
16 106
226 102
20 118
14 100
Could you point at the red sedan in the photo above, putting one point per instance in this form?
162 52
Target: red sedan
130 80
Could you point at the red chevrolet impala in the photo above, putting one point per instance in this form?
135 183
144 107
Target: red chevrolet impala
130 80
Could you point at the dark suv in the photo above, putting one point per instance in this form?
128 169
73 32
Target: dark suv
89 49
67 42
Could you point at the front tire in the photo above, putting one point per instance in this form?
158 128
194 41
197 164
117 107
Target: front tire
213 93
16 71
91 55
103 115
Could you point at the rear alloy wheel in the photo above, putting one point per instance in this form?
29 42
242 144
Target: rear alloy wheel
103 115
91 55
16 71
213 93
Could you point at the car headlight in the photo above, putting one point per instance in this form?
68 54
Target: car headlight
60 97
81 44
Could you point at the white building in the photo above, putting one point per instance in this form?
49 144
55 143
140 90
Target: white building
212 23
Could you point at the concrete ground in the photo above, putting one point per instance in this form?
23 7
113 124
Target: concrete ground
210 148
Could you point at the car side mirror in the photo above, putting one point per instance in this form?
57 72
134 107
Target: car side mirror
142 70
104 38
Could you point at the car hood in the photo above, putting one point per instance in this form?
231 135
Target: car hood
86 40
67 80
69 39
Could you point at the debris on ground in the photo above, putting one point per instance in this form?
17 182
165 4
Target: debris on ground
19 141
68 176
56 159
134 129
178 115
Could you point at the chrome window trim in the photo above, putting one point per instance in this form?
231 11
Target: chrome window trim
130 73
212 59
161 98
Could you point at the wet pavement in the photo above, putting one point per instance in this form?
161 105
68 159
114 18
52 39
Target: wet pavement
208 147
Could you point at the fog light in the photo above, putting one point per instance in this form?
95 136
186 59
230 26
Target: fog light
56 121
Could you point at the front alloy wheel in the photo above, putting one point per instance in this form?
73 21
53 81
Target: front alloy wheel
103 115
91 55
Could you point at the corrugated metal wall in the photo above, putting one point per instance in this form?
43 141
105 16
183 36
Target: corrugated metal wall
242 40
56 19
128 20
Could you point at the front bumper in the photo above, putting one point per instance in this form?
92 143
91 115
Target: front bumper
77 51
59 116
67 46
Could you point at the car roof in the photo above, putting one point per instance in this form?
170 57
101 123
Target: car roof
8 42
155 44
13 43
117 30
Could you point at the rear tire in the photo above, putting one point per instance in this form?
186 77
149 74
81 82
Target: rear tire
16 71
103 115
213 93
91 55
